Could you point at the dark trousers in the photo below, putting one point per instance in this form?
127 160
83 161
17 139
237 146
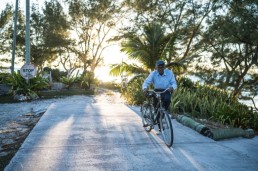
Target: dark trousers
165 97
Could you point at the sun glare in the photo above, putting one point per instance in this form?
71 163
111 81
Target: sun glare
112 55
102 74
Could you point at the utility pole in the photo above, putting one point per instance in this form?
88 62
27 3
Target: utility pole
14 36
27 36
28 71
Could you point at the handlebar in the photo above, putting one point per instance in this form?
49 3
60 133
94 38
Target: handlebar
159 92
150 92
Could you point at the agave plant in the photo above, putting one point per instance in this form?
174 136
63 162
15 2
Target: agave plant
87 80
207 102
68 81
28 88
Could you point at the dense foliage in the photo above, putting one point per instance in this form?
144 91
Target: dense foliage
202 102
208 102
27 88
133 91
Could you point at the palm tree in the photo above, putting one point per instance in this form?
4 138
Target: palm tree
152 45
146 49
125 68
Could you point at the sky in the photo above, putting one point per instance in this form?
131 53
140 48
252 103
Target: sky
22 3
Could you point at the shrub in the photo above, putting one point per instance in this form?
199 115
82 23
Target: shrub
208 102
3 77
133 92
57 74
109 85
27 88
68 81
200 101
185 82
87 80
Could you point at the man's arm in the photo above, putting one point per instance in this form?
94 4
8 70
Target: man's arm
147 81
172 82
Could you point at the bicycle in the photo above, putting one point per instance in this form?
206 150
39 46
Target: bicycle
150 118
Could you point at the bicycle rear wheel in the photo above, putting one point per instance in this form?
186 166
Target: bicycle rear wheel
146 112
166 128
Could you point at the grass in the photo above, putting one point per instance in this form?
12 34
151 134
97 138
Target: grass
8 98
63 93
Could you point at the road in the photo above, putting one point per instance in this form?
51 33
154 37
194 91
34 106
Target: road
85 134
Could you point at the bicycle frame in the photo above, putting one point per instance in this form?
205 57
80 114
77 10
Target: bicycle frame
159 105
161 117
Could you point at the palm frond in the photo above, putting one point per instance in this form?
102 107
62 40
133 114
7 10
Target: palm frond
124 68
138 76
177 67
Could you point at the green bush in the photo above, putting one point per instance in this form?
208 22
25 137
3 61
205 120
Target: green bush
208 102
28 88
186 83
57 74
200 101
68 81
3 77
109 85
87 80
133 92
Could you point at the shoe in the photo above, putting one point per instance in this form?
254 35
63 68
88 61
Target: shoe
158 132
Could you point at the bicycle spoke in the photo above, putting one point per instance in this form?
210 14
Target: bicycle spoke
166 129
146 118
164 119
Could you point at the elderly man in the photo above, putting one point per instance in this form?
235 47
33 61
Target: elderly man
162 79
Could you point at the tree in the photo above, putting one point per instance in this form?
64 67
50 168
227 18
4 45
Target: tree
50 33
5 40
232 40
69 64
5 22
6 36
92 22
185 19
146 48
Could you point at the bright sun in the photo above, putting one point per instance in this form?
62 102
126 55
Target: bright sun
102 74
112 55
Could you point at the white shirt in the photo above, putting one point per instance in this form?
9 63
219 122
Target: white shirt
164 81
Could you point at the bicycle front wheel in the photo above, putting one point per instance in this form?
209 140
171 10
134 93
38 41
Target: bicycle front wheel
166 128
146 112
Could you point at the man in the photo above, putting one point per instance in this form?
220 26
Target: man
162 79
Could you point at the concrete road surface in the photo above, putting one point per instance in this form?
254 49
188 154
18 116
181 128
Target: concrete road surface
86 136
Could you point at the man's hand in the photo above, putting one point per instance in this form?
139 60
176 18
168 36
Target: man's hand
171 89
145 91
